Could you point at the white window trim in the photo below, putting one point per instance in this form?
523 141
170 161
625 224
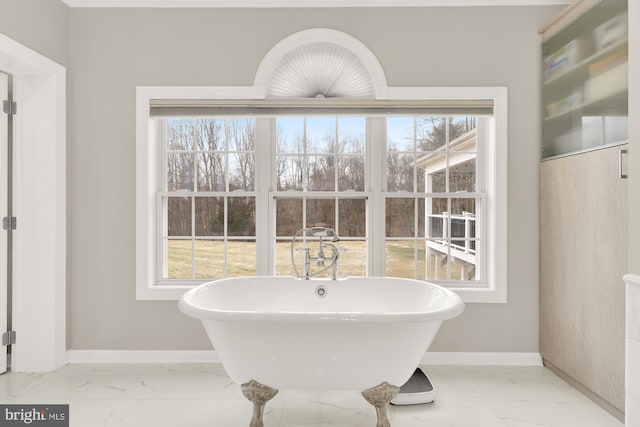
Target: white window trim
147 176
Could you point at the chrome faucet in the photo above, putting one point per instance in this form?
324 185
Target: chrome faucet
323 234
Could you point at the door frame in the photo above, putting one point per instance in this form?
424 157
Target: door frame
4 212
39 204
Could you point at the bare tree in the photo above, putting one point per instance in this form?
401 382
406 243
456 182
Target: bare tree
210 143
242 143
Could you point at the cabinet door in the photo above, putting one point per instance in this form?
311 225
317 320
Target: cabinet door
583 226
585 73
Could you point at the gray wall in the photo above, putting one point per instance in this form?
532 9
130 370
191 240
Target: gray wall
42 25
113 50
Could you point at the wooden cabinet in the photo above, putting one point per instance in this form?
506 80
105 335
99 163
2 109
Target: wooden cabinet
583 198
583 256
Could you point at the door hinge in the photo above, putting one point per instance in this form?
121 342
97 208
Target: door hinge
9 107
9 338
9 223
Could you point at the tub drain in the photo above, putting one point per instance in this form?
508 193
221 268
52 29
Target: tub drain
321 291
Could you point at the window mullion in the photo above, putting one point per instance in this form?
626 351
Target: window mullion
375 161
193 238
194 189
305 158
415 201
414 172
336 155
226 235
225 198
265 181
448 219
416 233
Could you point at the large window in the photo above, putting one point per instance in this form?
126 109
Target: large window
411 191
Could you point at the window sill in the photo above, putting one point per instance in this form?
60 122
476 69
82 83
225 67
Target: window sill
172 291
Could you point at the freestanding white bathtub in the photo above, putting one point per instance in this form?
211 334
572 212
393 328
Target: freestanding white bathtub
355 333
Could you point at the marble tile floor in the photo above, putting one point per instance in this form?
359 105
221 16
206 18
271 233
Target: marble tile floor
202 395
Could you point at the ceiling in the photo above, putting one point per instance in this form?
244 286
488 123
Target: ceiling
308 3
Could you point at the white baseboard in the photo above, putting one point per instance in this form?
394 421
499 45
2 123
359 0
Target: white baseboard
210 356
142 356
481 359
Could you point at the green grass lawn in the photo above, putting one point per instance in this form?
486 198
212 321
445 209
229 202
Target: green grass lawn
241 260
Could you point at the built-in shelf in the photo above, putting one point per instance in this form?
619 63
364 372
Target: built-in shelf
610 105
578 73
585 91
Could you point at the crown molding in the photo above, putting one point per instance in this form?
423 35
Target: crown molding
306 3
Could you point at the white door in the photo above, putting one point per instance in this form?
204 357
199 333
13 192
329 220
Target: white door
4 177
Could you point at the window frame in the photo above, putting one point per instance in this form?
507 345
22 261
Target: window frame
479 195
163 195
306 195
492 290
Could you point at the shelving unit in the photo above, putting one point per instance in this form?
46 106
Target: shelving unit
584 90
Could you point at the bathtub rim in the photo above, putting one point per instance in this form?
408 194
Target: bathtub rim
454 308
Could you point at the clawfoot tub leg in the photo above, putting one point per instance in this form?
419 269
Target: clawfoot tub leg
380 396
258 394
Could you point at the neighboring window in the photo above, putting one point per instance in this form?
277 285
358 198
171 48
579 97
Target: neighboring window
207 200
222 189
433 199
